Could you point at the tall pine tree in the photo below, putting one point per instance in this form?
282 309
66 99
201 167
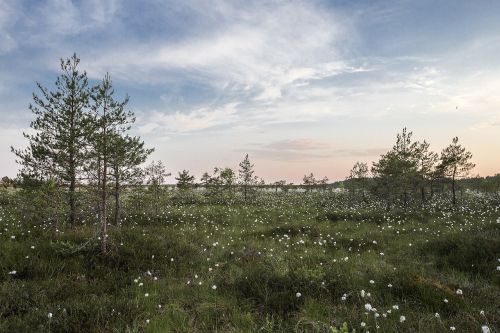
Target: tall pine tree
110 120
62 123
246 177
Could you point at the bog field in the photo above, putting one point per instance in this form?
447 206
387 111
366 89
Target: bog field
288 262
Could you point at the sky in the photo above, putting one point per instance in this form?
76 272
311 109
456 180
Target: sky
301 86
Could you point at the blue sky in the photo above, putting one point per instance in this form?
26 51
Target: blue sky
302 86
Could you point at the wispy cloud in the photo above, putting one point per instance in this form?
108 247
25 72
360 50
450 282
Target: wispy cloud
297 144
8 16
66 17
261 50
182 122
306 149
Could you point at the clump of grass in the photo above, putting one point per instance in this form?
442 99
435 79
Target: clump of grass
473 255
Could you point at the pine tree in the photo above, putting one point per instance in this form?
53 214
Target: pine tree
323 182
397 171
455 163
184 180
309 181
205 179
110 120
127 155
426 167
156 174
358 176
62 126
279 184
246 177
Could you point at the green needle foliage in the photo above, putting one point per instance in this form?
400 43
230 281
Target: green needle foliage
80 137
246 177
455 163
185 180
57 149
110 120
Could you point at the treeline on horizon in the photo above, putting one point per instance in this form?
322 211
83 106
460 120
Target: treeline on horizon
82 158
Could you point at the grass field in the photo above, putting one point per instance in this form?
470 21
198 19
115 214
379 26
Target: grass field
287 263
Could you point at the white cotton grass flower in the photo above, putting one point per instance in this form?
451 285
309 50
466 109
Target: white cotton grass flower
50 315
452 328
298 295
459 292
402 319
485 329
363 324
368 307
214 287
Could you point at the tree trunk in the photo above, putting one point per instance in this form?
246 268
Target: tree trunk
117 198
104 225
99 208
72 201
454 200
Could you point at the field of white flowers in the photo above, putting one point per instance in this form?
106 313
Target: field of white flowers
297 262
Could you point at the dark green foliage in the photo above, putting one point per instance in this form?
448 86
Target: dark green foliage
62 123
455 164
246 178
184 180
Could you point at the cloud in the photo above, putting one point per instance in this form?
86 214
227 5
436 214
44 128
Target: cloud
8 16
427 79
493 123
182 122
368 152
305 149
251 54
261 49
297 144
66 17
